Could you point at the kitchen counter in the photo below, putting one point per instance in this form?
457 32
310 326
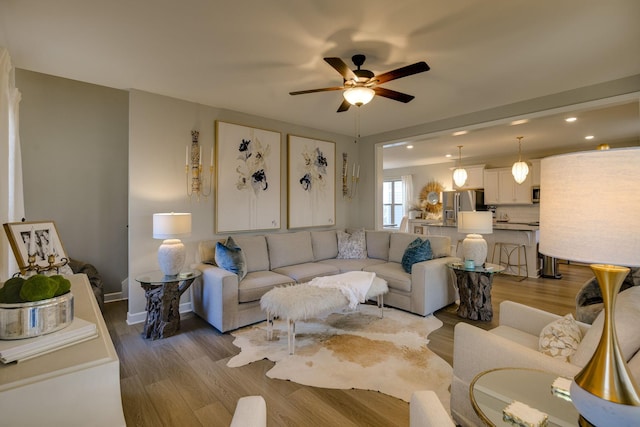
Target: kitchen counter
522 226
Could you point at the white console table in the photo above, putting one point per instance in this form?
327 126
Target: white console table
74 386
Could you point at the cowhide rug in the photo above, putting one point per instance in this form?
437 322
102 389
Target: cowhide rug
353 350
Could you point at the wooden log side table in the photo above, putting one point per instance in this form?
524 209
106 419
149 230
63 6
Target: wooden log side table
474 288
163 301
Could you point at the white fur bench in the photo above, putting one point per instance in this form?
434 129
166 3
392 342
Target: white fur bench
301 302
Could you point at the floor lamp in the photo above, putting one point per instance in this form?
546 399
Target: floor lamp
589 213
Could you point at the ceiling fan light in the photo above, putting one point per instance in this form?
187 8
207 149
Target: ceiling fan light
359 95
520 171
459 176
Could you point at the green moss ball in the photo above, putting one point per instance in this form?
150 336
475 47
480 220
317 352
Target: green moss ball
63 284
38 287
10 292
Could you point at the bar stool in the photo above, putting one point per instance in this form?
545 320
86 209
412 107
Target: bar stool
508 249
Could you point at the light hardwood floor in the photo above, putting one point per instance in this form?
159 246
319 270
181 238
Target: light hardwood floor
183 380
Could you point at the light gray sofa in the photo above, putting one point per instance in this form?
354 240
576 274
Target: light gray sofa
285 258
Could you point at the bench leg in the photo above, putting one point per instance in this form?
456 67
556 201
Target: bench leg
269 326
291 335
381 305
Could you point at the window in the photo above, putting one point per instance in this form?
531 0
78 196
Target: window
392 202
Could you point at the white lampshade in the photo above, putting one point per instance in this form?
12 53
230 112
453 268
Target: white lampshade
171 225
520 170
171 253
475 223
459 177
358 95
589 209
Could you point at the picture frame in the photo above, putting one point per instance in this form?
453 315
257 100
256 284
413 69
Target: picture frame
35 237
248 178
311 177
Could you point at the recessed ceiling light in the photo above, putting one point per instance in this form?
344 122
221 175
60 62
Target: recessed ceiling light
588 137
570 119
460 132
447 155
409 147
519 122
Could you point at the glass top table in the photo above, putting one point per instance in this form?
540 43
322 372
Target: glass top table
494 390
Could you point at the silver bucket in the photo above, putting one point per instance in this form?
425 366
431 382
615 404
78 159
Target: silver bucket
32 319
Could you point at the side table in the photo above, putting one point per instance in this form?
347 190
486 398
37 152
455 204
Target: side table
474 288
163 301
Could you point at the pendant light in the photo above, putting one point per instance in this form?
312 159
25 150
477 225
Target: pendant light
459 174
520 169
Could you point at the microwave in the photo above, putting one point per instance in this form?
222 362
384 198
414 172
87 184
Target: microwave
535 194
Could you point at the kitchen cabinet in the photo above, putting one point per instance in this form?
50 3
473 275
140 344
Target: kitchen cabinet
475 178
501 189
535 172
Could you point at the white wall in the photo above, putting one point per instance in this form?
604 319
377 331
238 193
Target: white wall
160 128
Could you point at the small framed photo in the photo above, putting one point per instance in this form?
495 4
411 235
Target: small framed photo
39 239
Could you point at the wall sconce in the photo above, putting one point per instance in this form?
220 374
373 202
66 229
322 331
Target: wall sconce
349 191
195 165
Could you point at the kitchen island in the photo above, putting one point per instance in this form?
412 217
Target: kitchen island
526 234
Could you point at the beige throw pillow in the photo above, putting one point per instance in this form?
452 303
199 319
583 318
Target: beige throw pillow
560 339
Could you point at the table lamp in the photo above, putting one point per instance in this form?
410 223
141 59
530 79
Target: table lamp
475 224
589 213
169 227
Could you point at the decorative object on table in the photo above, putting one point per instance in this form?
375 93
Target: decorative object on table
349 191
37 247
520 414
429 198
520 169
248 178
194 165
459 174
604 392
170 227
163 301
355 350
474 225
311 182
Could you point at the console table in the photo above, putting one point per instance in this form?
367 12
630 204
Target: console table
494 390
163 301
77 385
474 288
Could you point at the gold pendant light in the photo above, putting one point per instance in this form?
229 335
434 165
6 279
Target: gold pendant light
520 169
459 174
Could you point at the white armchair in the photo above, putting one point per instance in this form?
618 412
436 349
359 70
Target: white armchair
426 410
251 411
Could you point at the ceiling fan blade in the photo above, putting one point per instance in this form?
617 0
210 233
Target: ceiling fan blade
418 67
344 106
324 89
392 94
342 68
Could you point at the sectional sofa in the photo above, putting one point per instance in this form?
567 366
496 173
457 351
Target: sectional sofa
277 259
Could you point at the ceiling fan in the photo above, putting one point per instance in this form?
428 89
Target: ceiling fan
360 86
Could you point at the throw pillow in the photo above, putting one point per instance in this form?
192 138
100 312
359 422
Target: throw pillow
419 250
560 338
230 257
352 246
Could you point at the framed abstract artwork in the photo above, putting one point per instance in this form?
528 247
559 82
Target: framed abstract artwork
312 182
39 239
247 179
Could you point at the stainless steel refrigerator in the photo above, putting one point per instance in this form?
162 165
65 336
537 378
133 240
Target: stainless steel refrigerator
460 201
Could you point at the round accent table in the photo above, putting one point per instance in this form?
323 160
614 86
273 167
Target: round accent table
163 301
474 288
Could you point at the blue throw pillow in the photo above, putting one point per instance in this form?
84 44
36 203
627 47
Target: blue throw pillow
230 257
419 250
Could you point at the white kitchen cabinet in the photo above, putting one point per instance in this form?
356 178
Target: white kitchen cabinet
475 178
535 172
501 189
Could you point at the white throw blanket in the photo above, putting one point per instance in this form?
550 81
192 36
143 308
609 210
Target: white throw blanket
354 285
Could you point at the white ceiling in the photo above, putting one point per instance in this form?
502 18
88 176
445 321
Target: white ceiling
247 55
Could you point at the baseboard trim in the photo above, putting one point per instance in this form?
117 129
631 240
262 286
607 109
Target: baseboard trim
140 317
114 296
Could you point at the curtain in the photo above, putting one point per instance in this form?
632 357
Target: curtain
407 185
11 193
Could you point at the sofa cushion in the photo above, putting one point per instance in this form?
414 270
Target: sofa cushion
378 244
352 245
345 265
560 339
627 318
419 250
306 271
517 336
258 283
398 243
231 257
394 274
440 246
207 251
289 248
255 252
324 244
